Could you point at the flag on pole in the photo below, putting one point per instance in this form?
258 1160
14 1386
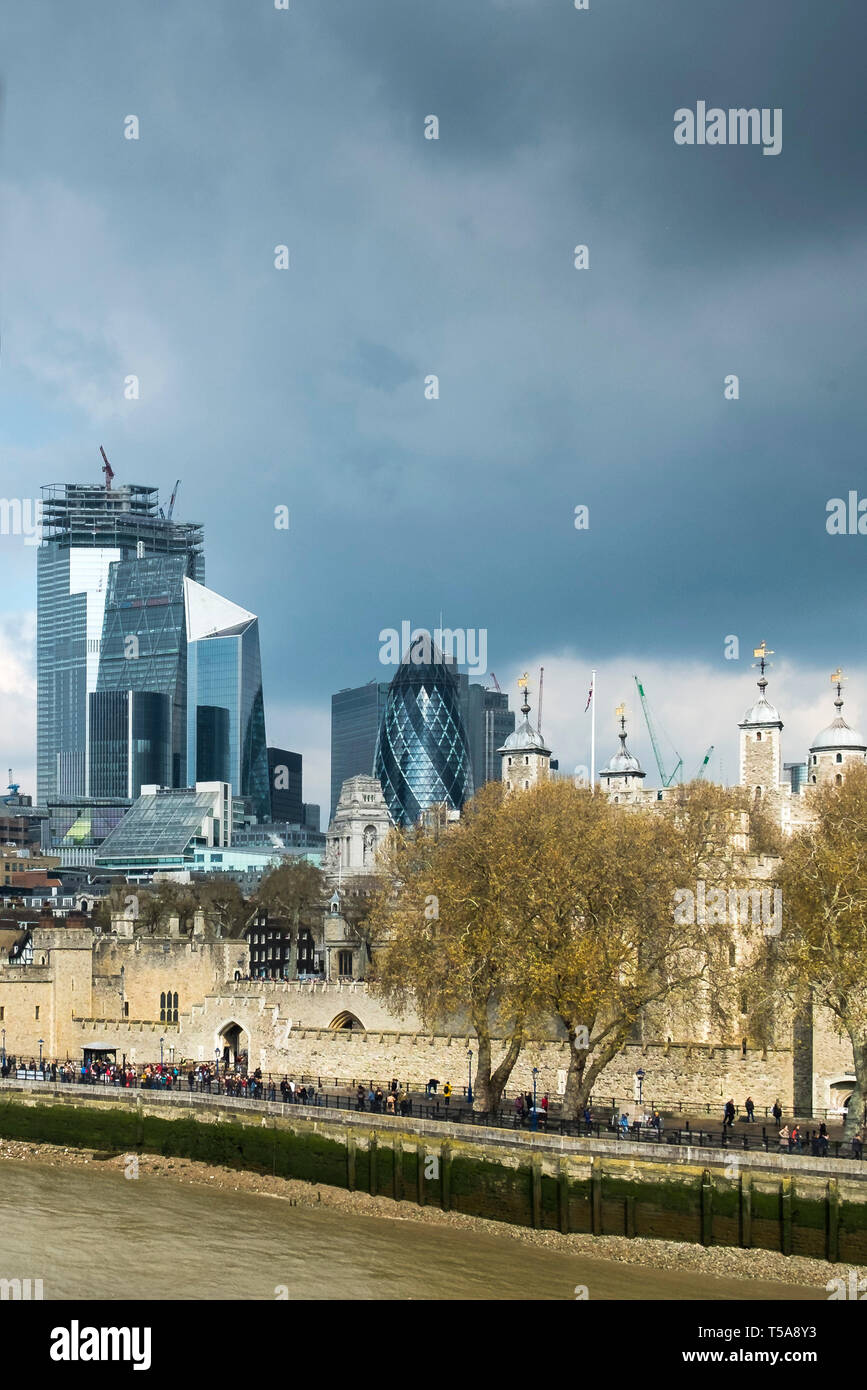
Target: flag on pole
589 697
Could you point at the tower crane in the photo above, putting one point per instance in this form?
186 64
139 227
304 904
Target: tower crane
107 469
704 764
665 778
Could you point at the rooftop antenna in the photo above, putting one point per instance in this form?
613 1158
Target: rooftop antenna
107 469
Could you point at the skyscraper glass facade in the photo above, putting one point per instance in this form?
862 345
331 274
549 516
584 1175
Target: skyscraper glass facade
87 528
129 742
355 719
422 753
224 673
144 649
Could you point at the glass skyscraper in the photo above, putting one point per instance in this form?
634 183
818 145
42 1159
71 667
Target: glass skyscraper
143 659
422 753
85 529
355 719
225 708
489 723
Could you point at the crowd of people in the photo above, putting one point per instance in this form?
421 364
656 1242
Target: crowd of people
395 1100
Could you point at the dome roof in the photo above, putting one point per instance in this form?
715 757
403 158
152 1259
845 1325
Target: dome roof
838 735
622 762
525 739
762 712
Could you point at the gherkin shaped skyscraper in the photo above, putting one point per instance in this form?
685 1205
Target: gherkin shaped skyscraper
422 752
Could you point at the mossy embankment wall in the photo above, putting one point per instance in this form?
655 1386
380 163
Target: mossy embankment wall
490 1176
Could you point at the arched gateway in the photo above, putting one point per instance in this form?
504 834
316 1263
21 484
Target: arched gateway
233 1043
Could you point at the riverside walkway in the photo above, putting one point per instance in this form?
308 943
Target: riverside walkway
677 1147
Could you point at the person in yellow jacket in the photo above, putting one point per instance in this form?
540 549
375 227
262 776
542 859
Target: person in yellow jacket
447 1092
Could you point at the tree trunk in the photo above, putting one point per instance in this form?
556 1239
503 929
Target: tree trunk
855 1114
585 1066
487 1086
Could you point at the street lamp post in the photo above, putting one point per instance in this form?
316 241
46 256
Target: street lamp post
217 1060
4 1047
162 1040
470 1081
535 1111
639 1076
40 1053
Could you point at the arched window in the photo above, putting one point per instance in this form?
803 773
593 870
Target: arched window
758 795
814 775
174 1017
163 1007
759 736
526 760
526 785
839 780
839 757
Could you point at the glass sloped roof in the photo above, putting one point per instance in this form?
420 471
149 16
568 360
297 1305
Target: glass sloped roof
158 824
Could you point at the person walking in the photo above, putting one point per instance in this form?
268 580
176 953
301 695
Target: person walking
785 1138
447 1093
777 1111
749 1106
795 1140
857 1146
729 1113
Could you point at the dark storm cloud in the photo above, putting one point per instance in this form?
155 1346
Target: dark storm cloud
452 257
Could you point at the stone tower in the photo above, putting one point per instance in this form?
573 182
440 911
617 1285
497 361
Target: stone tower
761 754
835 748
623 773
524 757
360 825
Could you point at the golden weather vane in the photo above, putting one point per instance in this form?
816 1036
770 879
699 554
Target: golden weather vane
620 711
837 677
523 680
762 652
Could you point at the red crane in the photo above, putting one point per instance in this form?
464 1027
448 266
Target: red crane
107 470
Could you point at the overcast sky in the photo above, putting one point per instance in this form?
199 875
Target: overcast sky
411 257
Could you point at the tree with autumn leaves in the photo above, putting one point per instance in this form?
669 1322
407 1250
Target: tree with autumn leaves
551 905
820 956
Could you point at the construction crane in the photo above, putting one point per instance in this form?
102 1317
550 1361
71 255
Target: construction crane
496 684
665 778
541 679
12 788
167 514
704 764
107 469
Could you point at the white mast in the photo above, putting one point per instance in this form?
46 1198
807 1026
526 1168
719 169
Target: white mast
593 731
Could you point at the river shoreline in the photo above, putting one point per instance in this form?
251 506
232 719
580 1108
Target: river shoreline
711 1262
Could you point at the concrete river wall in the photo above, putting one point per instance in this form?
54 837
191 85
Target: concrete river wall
796 1205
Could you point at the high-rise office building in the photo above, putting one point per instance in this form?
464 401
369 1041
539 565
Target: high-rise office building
356 715
489 723
284 775
129 742
225 707
141 737
422 754
85 529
